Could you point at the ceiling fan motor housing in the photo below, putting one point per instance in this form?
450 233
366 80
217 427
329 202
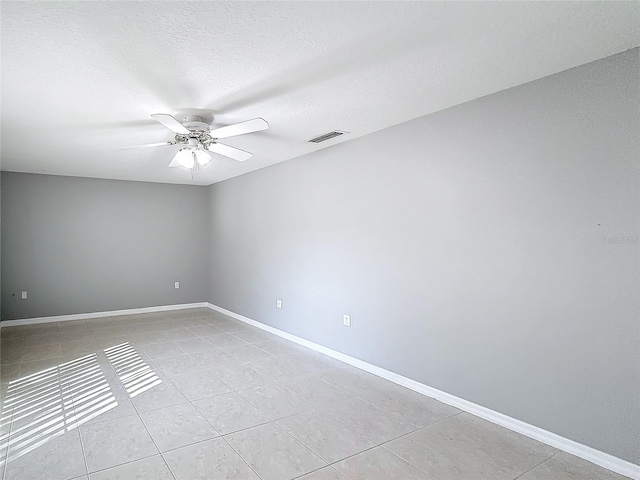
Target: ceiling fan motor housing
195 124
199 131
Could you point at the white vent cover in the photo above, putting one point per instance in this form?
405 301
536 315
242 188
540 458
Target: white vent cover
327 136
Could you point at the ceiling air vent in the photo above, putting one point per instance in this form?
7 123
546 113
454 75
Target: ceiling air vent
327 136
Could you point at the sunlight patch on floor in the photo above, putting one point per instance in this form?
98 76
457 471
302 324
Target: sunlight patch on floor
135 374
53 401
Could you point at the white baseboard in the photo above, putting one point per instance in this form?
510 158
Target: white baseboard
590 454
113 313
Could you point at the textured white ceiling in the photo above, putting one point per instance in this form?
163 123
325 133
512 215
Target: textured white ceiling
80 79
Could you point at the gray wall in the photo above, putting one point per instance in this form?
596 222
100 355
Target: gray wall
80 245
489 250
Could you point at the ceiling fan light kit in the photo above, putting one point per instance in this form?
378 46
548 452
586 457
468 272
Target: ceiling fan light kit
187 157
199 140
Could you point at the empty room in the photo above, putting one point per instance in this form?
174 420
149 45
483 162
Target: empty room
319 240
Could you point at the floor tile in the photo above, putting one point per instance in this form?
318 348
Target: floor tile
321 362
190 312
179 365
9 343
567 467
79 347
160 325
373 423
316 391
12 333
76 335
409 405
114 341
194 345
466 446
274 400
379 464
273 453
230 412
153 337
354 381
329 439
326 473
9 372
177 426
150 468
43 352
40 340
199 384
224 340
48 457
231 325
113 442
41 329
247 353
178 333
161 350
100 322
208 460
42 406
72 324
106 331
40 367
6 410
212 358
98 397
131 366
157 392
283 368
193 321
218 321
205 330
254 336
238 375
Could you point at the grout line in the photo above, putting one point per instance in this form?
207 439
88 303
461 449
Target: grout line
6 460
330 466
123 463
276 381
190 402
242 458
271 420
84 455
537 465
314 408
156 445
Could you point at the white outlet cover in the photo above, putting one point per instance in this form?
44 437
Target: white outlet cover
278 303
177 284
346 320
24 295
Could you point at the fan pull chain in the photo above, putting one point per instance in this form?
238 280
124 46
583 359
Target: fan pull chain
196 165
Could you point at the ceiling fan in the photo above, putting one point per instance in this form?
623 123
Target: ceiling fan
198 139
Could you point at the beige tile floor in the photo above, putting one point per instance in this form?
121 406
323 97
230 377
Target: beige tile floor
193 394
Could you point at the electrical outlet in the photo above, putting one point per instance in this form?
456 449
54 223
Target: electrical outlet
346 320
278 303
177 284
24 295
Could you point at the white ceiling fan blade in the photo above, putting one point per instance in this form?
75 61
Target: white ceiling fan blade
171 123
231 152
149 145
250 126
